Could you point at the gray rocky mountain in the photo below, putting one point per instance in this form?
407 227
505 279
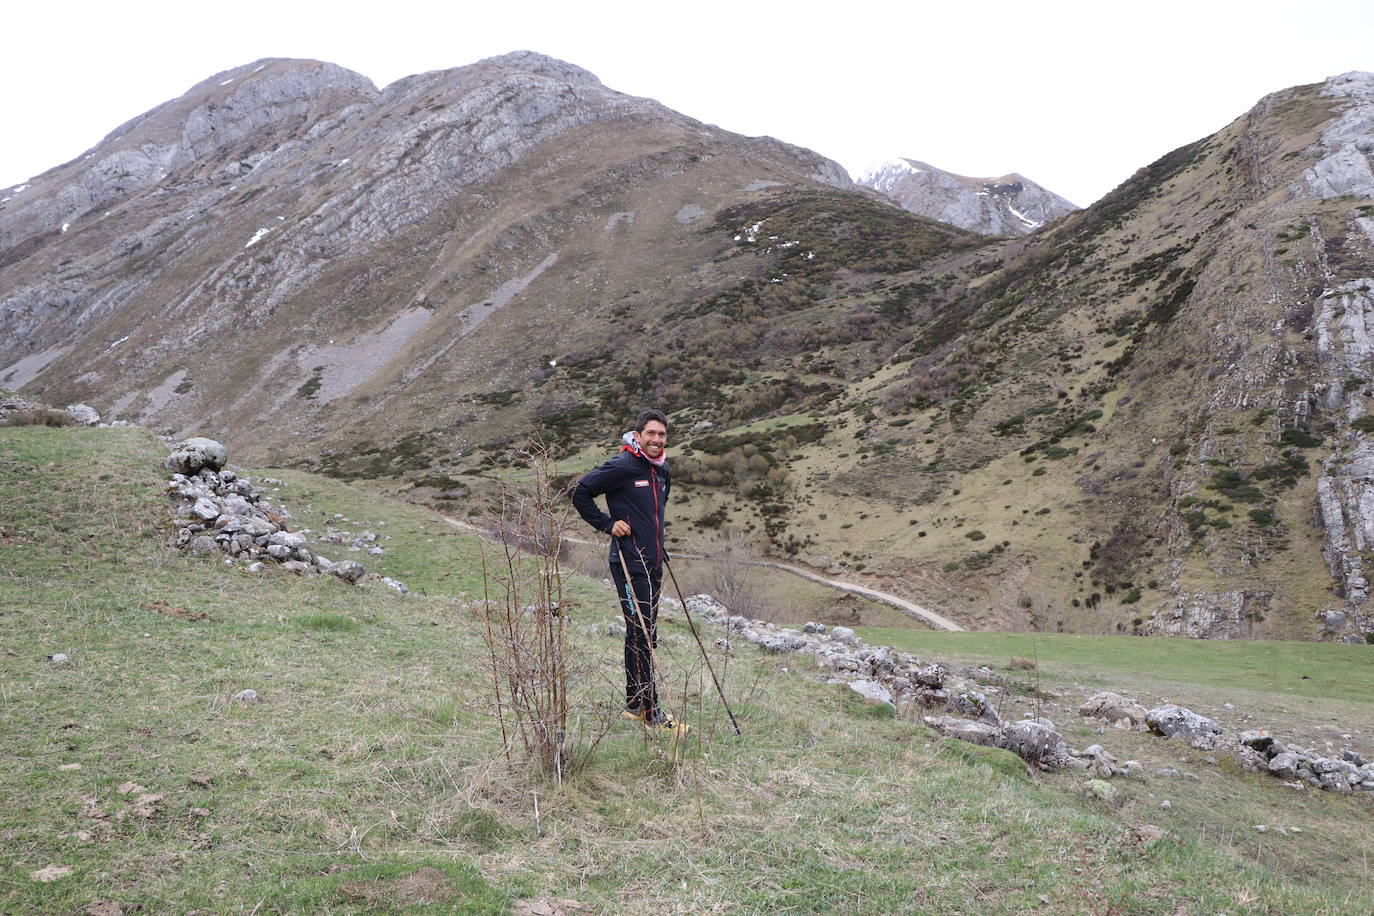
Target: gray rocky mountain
1152 415
285 226
1009 205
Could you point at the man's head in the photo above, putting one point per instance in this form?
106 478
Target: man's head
651 428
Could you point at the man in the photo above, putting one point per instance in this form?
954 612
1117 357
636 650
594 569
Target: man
635 483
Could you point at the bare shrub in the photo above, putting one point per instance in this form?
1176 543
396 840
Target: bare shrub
524 614
39 416
732 559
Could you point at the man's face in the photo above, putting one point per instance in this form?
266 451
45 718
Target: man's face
653 439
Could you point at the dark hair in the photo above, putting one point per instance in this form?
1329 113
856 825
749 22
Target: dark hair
646 415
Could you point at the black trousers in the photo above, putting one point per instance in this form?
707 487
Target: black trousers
641 632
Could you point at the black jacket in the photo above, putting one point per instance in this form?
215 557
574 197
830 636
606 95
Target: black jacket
636 492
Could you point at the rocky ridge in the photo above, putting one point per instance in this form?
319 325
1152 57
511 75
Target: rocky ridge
1010 205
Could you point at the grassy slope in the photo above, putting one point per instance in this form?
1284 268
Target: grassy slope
369 776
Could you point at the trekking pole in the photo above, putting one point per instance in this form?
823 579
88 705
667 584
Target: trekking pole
693 627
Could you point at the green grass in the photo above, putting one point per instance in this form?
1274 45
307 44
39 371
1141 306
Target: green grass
369 776
1302 669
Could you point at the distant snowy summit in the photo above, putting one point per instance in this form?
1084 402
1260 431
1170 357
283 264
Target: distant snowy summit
1010 205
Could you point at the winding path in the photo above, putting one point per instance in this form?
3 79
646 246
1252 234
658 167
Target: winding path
908 608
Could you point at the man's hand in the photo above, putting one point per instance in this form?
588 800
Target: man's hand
620 528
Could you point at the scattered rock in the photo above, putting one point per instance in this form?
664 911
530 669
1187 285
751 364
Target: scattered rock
247 696
105 908
1149 833
1033 740
1172 721
973 703
964 730
348 570
1102 791
50 873
873 693
844 635
932 676
1114 708
83 415
59 658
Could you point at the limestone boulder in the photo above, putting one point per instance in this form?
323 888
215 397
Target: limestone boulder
192 455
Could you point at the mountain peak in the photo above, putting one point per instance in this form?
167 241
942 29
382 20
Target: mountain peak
1010 204
542 65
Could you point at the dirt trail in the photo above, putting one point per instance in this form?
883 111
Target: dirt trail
911 609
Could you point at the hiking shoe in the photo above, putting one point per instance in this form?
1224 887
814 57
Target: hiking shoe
662 723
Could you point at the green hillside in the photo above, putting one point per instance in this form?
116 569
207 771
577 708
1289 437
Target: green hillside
369 776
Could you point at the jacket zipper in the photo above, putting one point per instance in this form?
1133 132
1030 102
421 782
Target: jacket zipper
658 538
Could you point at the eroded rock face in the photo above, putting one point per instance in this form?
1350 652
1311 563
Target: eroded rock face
1347 143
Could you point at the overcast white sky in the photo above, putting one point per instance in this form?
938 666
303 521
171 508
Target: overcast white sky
1074 95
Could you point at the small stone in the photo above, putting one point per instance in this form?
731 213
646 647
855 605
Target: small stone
59 659
1262 828
203 544
1149 833
844 635
247 696
206 509
348 570
50 873
1102 791
873 692
1166 804
70 766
